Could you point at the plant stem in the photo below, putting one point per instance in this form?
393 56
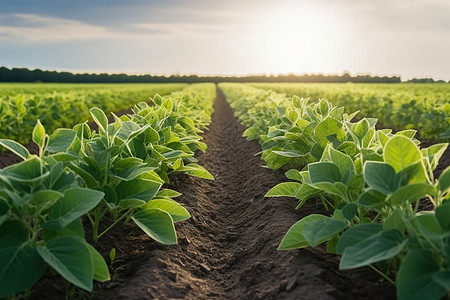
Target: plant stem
111 226
383 275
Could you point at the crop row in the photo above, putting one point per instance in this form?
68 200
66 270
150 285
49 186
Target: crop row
64 105
109 177
425 107
374 182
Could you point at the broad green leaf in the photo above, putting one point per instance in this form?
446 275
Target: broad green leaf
444 181
336 188
327 127
88 179
74 229
137 189
12 233
411 192
27 171
45 198
38 135
293 174
376 248
101 272
176 211
290 153
324 172
305 192
428 225
71 258
75 203
167 193
60 140
157 224
319 231
21 268
357 234
131 203
16 148
294 238
380 176
342 161
196 170
283 189
443 215
100 118
394 221
372 198
420 277
400 152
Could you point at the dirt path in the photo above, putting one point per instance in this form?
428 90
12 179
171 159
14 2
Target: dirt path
227 250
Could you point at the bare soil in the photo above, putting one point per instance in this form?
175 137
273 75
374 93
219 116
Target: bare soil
228 248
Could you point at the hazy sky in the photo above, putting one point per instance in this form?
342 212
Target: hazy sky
384 37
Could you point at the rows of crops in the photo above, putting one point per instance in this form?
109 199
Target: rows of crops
374 182
117 171
425 107
64 105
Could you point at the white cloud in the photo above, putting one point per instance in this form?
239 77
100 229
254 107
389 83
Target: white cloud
35 28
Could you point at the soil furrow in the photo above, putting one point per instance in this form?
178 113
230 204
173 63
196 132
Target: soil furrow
227 249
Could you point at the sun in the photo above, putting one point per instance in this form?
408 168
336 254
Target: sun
295 40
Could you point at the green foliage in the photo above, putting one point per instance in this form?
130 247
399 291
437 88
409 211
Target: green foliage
64 105
120 170
403 106
374 181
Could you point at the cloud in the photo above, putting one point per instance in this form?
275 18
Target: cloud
39 29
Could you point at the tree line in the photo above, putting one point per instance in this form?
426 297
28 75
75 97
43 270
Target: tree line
37 75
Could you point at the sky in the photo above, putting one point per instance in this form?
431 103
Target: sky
235 37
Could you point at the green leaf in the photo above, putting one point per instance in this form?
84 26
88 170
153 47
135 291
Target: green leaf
394 221
45 198
372 198
324 172
294 237
167 193
131 203
411 192
400 152
357 234
99 118
327 127
196 170
420 277
157 224
283 189
293 174
38 135
101 272
21 268
380 176
71 258
342 161
290 153
15 148
60 140
75 203
443 215
137 189
376 248
444 181
319 231
176 211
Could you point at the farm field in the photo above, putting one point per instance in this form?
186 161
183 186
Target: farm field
228 247
425 107
64 105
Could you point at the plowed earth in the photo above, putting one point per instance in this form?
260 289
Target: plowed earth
228 248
